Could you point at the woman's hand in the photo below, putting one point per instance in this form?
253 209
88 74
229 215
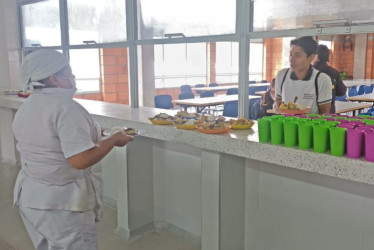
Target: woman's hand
120 139
89 157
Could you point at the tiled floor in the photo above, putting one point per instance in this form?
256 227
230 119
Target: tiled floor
14 234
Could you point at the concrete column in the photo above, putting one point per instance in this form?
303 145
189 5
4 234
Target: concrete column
359 65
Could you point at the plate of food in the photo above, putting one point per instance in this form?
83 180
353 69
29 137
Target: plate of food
161 119
217 126
128 131
186 115
187 124
293 108
241 123
24 94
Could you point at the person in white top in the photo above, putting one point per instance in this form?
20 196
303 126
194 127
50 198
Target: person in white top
301 81
58 188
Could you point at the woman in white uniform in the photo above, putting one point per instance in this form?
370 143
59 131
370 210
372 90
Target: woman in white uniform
59 186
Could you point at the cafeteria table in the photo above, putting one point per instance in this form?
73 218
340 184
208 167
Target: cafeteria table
226 87
342 107
201 103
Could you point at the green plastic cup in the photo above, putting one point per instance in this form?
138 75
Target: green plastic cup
369 122
277 116
331 123
314 115
320 138
276 131
337 140
325 116
305 135
290 133
263 125
353 119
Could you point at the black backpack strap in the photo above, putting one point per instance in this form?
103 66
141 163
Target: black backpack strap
316 85
284 78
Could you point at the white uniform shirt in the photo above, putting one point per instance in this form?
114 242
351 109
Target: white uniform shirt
51 127
305 90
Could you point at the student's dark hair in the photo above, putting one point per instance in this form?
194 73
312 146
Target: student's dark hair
307 43
323 53
272 83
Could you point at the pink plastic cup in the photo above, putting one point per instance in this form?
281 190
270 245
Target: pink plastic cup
355 140
369 146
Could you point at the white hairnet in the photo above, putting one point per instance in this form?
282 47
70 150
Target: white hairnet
39 65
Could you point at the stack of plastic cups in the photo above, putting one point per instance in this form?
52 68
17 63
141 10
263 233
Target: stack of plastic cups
264 129
320 138
305 134
337 141
276 130
369 146
355 142
290 133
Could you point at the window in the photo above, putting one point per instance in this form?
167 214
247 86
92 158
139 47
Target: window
227 62
255 60
192 17
86 68
297 14
178 64
41 24
102 21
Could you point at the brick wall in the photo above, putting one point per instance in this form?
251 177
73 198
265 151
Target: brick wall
369 70
114 77
342 59
273 56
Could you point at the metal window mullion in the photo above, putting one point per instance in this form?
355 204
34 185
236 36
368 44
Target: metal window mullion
131 27
64 26
243 24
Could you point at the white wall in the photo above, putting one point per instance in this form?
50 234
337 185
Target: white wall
9 44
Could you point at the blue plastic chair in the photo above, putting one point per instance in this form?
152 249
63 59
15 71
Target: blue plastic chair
361 90
230 109
182 96
186 89
369 89
254 109
207 94
163 102
352 91
253 90
198 92
252 82
341 98
232 91
213 84
264 81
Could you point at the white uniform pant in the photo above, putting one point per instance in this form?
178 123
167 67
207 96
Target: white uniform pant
60 229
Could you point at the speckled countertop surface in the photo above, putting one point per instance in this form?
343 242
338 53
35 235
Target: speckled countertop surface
243 143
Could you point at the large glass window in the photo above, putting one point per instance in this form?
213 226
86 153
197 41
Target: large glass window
41 24
191 17
295 14
178 64
256 58
86 68
227 62
102 21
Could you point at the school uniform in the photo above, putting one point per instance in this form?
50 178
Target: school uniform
305 89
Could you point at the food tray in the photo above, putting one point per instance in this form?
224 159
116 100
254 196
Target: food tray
160 122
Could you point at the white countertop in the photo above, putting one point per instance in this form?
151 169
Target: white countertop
243 143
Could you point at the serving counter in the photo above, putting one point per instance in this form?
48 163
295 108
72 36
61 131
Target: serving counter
226 191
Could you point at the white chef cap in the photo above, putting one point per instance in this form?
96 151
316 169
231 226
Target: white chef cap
39 65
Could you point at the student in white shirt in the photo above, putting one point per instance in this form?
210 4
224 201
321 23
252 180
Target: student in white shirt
311 87
59 186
